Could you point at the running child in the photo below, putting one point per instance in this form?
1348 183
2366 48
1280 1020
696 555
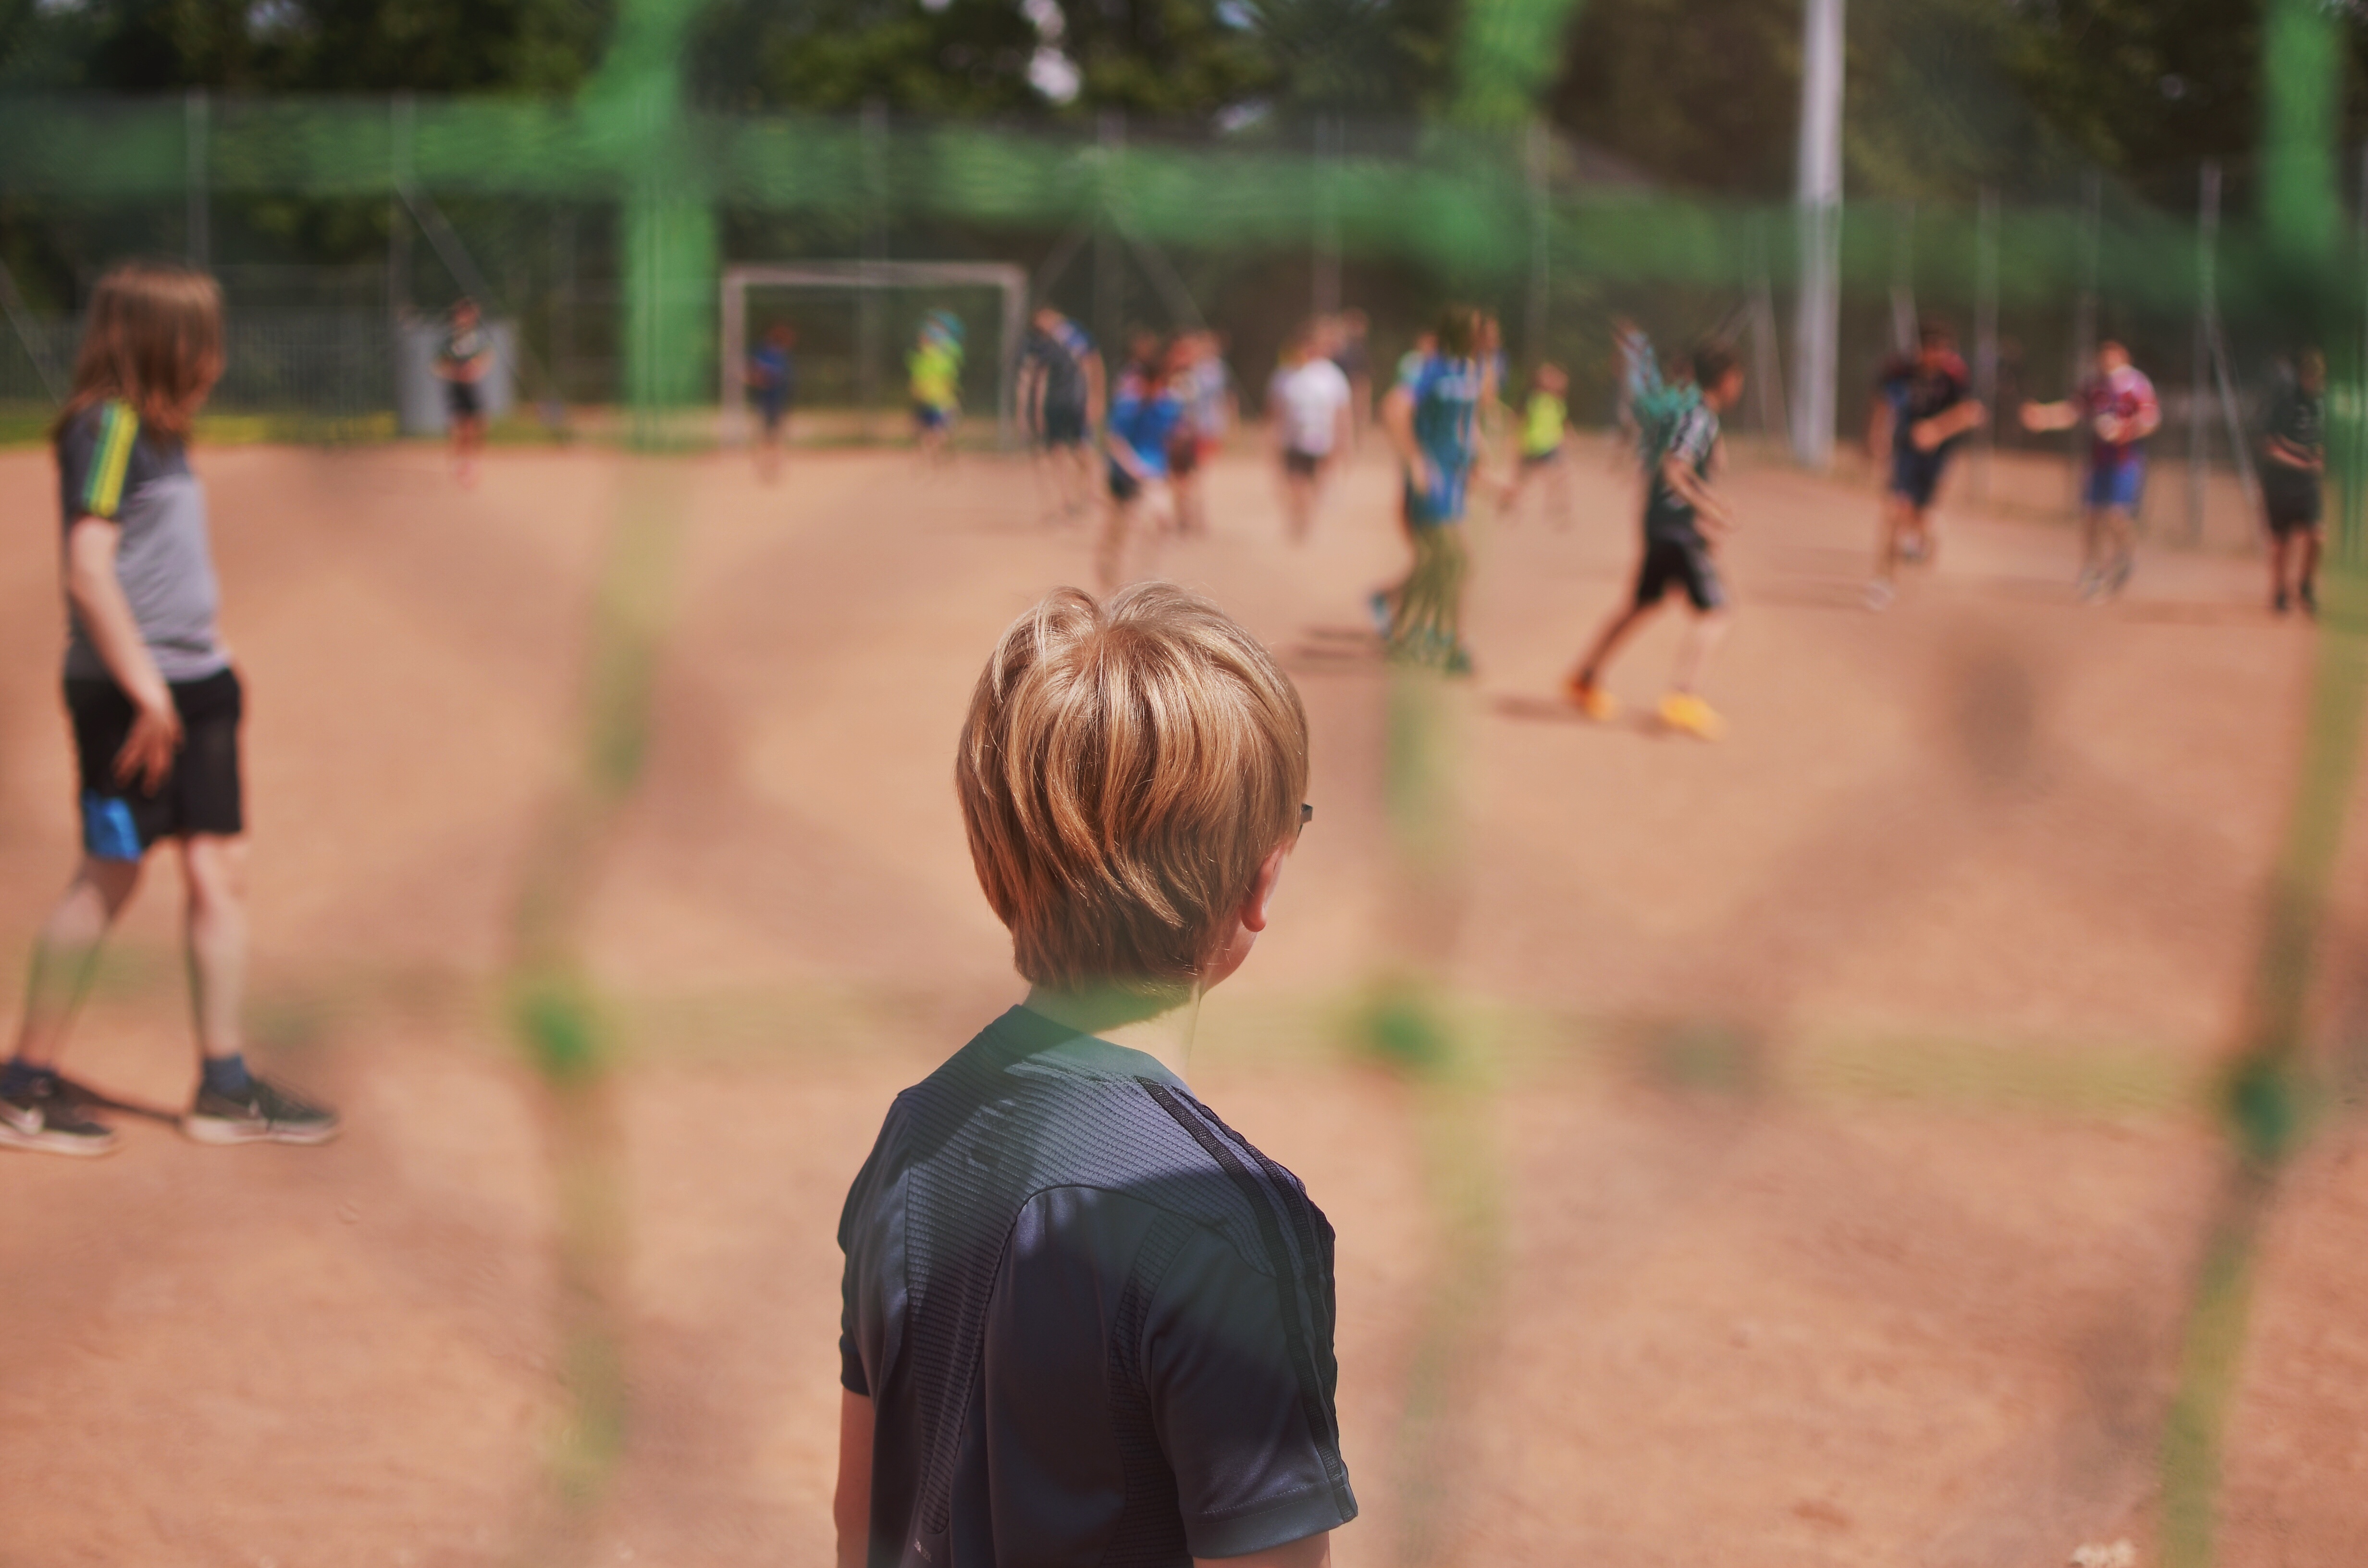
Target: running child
466 359
934 368
1431 417
1060 394
155 706
773 377
1683 515
1083 1320
1144 412
2118 406
1311 402
1347 341
1923 408
2293 469
1545 425
1198 375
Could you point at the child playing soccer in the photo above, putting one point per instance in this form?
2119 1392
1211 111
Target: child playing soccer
2118 406
773 377
1431 419
467 358
1923 407
2294 467
1545 422
155 707
1309 401
934 368
1084 1320
1681 514
1061 395
1144 412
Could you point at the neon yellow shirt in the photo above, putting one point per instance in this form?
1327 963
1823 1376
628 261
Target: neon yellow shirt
1542 424
937 371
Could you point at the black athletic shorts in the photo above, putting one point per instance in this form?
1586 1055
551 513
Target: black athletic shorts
1916 476
1064 426
774 410
2292 508
1679 563
466 405
202 792
1302 465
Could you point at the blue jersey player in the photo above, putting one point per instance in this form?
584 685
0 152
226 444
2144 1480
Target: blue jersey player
1432 420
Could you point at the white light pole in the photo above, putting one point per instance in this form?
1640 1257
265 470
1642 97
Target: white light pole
1817 319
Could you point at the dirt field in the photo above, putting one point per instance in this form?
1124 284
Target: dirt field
1819 1177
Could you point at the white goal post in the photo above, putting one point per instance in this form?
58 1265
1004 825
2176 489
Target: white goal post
855 277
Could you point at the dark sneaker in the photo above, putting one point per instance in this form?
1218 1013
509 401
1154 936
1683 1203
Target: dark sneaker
42 1116
2310 598
265 1114
2278 605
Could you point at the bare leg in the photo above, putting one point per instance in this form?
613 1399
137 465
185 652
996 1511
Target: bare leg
215 867
1701 641
1299 505
1109 554
1615 631
66 952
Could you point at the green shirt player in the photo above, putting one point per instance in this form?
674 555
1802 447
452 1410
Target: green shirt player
1682 517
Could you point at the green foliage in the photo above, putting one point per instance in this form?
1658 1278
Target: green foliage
266 46
1943 96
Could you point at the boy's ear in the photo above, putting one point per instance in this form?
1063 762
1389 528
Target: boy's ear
1252 912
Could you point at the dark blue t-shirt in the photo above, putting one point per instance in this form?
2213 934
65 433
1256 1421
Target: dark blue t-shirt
1094 1321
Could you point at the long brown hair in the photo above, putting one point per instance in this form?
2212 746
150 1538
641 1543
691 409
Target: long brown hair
154 338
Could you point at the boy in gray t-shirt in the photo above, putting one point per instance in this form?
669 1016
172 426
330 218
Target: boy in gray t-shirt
155 708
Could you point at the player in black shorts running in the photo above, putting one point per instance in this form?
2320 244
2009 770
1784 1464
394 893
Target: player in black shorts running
1923 408
155 707
2294 471
1680 515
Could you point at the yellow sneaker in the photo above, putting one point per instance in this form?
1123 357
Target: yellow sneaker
1591 700
1684 710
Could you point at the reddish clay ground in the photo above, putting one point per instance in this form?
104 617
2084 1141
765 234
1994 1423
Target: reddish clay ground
1820 1183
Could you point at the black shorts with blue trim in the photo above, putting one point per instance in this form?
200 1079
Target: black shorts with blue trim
203 793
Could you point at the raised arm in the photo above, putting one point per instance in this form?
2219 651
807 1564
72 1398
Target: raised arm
97 594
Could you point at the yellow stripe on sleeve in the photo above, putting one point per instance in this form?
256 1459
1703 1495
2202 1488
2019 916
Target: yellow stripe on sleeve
102 494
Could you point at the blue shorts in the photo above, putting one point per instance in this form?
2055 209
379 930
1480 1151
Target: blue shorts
1442 505
1916 476
2114 487
929 417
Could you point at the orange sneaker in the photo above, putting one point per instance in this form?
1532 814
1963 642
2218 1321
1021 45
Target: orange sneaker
1684 710
1590 699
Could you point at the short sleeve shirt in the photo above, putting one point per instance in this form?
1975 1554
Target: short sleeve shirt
108 467
1918 392
1446 395
1144 416
2298 419
1061 355
2125 395
1307 400
1692 436
1094 1321
777 372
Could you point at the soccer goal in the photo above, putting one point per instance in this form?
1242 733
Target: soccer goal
922 279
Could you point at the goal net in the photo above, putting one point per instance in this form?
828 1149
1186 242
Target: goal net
854 321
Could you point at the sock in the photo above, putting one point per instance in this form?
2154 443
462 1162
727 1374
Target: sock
228 1075
18 1076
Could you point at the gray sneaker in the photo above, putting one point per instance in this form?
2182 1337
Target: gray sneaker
43 1116
265 1114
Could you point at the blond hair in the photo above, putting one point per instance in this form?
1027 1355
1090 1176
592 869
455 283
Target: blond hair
1125 770
153 339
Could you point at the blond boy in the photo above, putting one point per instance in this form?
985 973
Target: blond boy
1083 1320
